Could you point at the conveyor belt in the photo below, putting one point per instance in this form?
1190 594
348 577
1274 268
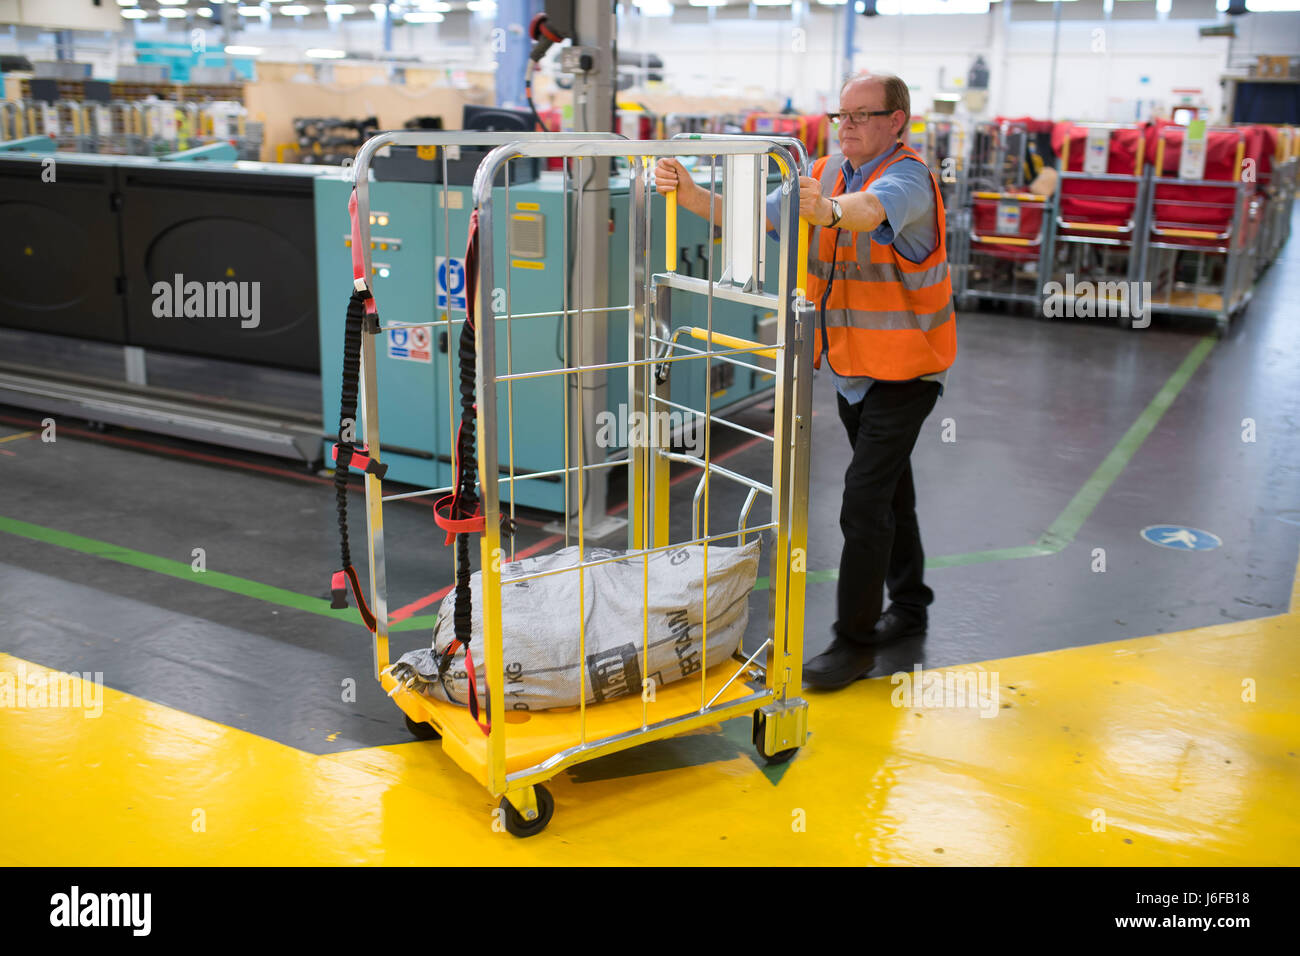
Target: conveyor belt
279 432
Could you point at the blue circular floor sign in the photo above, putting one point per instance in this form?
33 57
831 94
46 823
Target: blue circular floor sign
1180 538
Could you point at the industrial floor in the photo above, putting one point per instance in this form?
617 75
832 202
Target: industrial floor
1148 714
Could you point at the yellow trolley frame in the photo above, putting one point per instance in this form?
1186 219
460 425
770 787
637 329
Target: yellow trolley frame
514 758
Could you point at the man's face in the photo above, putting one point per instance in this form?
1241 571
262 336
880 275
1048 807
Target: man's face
861 142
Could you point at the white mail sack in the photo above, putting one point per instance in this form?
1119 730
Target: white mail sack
539 625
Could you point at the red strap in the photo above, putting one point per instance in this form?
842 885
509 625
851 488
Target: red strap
358 260
473 694
339 582
454 526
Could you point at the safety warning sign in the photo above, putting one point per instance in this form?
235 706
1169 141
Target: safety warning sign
451 283
411 345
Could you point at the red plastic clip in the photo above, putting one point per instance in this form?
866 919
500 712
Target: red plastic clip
361 459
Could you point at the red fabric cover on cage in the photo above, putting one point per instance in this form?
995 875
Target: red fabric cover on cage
1261 146
1179 205
984 221
1105 202
1268 136
816 122
1030 124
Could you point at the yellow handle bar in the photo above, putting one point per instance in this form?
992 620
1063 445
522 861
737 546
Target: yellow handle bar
731 341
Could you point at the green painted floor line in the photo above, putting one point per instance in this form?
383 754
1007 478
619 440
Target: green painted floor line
1067 524
1057 536
179 569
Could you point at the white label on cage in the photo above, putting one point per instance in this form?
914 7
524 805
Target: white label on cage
453 152
455 199
1097 152
1008 218
1191 161
51 120
103 123
740 225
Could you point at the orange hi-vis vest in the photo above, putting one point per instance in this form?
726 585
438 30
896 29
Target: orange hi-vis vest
885 317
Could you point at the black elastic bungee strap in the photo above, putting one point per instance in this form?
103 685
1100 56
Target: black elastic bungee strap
347 455
464 504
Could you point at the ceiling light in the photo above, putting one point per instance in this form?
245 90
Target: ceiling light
203 12
433 6
171 13
243 50
320 54
127 3
482 6
933 7
340 9
294 10
252 12
135 14
419 17
709 3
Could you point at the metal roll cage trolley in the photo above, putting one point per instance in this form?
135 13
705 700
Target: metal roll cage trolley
513 756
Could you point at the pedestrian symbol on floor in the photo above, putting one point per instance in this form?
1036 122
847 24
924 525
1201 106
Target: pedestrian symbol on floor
1181 539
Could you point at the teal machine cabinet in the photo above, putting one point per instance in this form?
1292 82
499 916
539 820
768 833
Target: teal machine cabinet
416 279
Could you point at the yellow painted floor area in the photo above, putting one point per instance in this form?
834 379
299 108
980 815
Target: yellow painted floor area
1150 738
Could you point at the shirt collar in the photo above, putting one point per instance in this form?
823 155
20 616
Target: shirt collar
868 167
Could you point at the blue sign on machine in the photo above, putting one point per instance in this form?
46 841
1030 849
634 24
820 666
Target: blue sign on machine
451 283
1180 538
399 343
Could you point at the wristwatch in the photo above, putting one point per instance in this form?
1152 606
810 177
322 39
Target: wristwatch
836 214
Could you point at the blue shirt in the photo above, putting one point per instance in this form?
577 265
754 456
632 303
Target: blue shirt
906 192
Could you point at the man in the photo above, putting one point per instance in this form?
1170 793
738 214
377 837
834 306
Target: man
878 275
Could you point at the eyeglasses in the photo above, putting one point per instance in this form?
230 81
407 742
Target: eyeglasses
856 117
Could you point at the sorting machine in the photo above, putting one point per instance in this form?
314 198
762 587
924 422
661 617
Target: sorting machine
94 321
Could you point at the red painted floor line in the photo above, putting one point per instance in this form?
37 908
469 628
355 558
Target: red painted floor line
354 486
686 472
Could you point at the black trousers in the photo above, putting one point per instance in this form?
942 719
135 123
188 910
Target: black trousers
882 540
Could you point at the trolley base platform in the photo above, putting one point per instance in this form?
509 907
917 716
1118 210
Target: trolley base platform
534 736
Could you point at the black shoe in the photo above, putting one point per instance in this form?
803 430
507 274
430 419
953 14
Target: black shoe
896 626
839 665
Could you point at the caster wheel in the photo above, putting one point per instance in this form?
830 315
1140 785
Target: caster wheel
781 756
420 730
516 825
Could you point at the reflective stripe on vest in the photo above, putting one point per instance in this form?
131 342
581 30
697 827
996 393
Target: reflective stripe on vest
886 317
